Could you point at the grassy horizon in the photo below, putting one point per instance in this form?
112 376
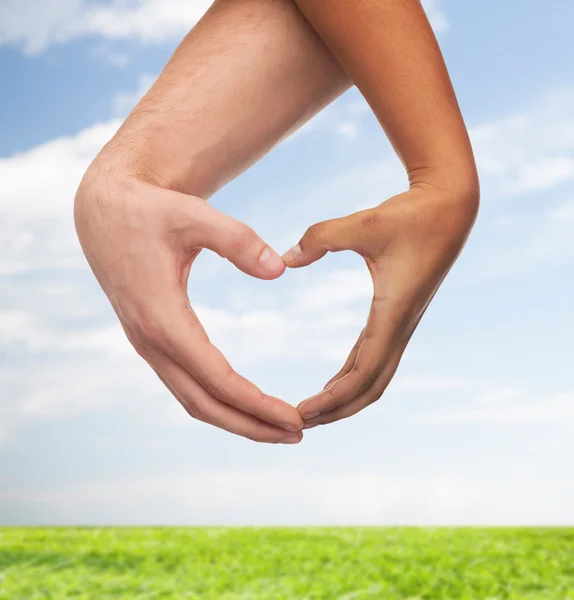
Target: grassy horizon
273 563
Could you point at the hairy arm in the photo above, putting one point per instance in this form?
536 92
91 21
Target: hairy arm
247 75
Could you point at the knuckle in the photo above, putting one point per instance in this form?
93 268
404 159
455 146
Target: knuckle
332 400
137 341
259 405
141 348
147 330
196 411
334 404
371 378
217 387
343 413
366 379
212 388
337 418
240 239
317 234
371 220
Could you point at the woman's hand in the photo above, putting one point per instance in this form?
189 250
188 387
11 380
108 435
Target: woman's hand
409 244
410 241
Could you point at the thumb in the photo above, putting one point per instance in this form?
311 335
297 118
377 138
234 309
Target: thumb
237 242
328 236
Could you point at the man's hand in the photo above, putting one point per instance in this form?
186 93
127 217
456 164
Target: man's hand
409 244
247 75
140 242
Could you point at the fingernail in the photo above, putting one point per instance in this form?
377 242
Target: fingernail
292 254
291 439
290 427
310 415
311 425
270 259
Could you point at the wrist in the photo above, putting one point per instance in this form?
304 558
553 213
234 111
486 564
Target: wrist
146 156
457 184
453 200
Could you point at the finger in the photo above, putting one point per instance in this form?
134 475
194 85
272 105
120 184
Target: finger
377 345
235 241
349 362
372 394
202 407
327 236
177 333
364 400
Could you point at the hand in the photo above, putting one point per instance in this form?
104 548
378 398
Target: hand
140 241
409 244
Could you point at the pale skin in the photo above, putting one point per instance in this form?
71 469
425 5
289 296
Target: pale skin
250 73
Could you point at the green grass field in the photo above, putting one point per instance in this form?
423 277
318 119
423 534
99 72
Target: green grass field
278 564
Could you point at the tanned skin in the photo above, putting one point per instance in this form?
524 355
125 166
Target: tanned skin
410 241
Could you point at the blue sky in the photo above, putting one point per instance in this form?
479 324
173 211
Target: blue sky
478 425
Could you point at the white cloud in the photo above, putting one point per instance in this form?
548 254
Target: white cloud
262 497
58 166
431 383
66 349
36 211
252 337
545 173
552 238
522 243
337 289
66 384
527 159
347 130
511 407
345 119
124 102
530 151
112 56
286 497
358 107
27 330
478 401
436 16
498 397
34 26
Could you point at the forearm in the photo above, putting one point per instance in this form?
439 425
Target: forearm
244 78
389 50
